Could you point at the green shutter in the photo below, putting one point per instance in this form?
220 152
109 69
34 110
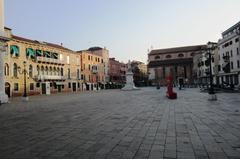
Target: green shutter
30 53
55 55
14 50
47 54
39 52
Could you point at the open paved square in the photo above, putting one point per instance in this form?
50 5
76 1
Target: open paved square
116 124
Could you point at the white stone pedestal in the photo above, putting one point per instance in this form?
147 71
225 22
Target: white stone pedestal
129 83
25 99
212 97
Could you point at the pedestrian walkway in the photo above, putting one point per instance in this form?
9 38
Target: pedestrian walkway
116 124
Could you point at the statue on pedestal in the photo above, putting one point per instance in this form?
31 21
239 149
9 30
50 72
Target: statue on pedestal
129 79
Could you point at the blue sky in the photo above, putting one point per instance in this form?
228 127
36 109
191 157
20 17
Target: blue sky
128 28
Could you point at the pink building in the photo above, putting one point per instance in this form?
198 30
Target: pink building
117 71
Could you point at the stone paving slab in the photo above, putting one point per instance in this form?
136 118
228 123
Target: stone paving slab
114 124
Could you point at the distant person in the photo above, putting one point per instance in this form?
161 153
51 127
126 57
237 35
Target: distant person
180 81
158 85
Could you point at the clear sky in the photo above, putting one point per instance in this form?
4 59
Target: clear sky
128 28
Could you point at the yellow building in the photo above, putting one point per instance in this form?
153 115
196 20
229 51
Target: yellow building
50 67
92 68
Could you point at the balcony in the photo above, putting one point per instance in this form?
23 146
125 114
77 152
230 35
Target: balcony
94 69
226 58
49 77
73 76
50 60
226 67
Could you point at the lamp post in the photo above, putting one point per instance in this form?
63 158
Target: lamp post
212 95
24 72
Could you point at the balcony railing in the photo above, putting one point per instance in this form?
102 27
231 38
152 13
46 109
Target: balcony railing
49 77
226 67
49 60
226 58
94 69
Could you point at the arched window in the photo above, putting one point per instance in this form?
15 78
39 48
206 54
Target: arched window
78 74
69 76
46 70
61 71
192 54
42 70
157 57
30 71
50 70
58 71
54 70
180 55
38 70
168 56
6 70
15 70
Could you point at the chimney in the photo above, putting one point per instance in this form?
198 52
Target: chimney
1 18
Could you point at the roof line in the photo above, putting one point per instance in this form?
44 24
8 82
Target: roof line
38 42
179 47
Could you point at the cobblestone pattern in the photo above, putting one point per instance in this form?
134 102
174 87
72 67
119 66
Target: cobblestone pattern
117 124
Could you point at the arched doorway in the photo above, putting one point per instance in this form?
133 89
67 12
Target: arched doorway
7 89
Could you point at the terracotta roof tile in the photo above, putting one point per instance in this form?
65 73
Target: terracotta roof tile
178 49
41 43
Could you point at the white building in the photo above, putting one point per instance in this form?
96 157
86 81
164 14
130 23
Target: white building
203 69
229 56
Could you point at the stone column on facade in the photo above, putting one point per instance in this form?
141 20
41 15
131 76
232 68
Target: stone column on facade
3 96
188 72
185 71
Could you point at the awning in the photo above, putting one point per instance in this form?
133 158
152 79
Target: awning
225 74
14 50
55 55
47 54
39 52
30 52
59 83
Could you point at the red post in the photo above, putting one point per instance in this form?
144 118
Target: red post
170 93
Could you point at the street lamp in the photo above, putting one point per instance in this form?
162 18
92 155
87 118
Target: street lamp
210 47
24 72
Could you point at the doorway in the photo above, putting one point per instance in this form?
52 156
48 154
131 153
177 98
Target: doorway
74 87
44 88
59 88
87 87
7 89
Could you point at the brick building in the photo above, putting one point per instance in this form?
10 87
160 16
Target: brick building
117 71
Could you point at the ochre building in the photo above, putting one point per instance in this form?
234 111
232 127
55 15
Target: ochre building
48 68
92 68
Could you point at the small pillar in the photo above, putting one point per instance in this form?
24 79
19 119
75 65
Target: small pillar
170 93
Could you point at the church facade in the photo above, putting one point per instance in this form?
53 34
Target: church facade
177 62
